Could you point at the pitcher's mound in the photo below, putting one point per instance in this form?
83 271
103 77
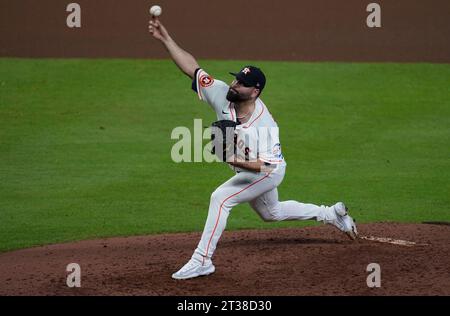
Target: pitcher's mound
414 260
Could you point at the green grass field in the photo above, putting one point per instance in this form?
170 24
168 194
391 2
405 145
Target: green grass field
85 145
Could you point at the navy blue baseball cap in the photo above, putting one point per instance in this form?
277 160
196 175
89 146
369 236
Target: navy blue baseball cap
251 76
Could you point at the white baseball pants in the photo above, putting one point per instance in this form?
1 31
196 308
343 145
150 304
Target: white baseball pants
260 190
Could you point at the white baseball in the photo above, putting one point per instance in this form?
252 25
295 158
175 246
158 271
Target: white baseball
155 10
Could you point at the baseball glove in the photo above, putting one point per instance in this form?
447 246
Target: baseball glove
222 137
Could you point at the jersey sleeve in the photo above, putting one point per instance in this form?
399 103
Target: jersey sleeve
269 147
210 90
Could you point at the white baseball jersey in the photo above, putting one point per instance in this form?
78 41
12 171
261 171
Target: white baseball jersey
258 138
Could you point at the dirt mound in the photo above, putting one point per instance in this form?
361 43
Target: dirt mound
301 261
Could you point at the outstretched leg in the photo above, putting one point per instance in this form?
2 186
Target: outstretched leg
270 209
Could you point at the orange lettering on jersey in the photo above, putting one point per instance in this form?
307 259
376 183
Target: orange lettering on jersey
206 81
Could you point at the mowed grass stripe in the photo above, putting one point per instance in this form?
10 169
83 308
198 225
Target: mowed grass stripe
85 145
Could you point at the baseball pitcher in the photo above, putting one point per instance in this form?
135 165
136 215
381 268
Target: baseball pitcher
254 153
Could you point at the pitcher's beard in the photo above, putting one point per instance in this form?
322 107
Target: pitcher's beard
234 96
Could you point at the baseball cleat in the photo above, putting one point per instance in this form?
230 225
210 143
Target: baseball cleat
193 269
344 222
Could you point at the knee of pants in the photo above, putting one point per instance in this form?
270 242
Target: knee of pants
274 214
267 214
268 218
219 198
